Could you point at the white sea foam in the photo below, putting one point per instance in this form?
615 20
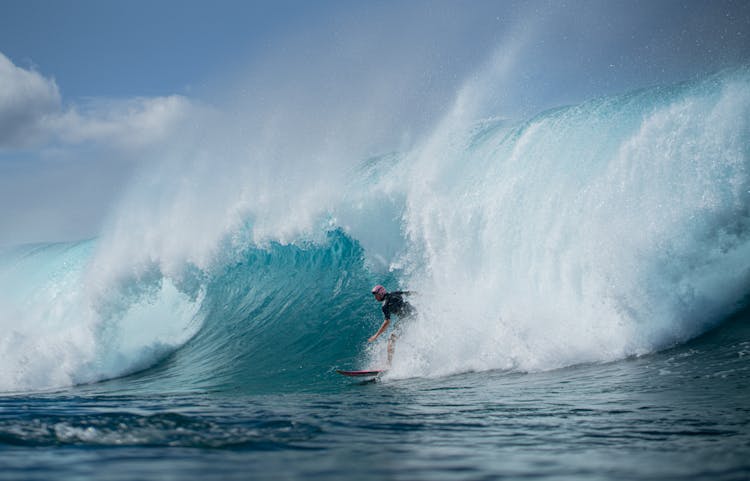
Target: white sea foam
591 233
60 331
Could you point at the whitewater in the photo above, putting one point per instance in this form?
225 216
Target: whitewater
581 280
589 233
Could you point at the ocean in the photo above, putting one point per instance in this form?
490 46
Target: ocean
581 279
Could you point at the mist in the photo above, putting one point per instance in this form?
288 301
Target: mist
327 89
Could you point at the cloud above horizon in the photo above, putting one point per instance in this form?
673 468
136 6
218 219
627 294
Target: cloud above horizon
33 115
63 164
26 100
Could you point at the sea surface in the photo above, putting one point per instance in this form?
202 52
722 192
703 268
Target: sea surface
581 278
680 414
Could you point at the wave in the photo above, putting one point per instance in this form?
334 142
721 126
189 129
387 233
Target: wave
280 318
588 233
61 329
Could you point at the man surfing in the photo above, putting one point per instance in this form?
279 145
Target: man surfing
393 303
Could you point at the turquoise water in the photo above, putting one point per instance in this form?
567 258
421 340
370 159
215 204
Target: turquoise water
679 414
582 281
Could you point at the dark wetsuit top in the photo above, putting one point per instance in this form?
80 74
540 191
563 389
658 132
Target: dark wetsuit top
394 303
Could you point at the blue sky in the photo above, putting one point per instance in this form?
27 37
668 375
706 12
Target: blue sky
109 48
90 91
97 48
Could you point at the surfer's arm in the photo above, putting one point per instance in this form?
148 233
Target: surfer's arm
383 327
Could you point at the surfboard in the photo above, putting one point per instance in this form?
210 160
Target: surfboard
360 373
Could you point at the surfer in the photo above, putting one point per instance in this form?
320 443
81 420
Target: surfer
393 303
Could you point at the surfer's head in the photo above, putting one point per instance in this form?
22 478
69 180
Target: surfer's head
379 292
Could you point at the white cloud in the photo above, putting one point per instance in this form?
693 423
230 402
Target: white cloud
63 164
127 123
32 114
26 100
